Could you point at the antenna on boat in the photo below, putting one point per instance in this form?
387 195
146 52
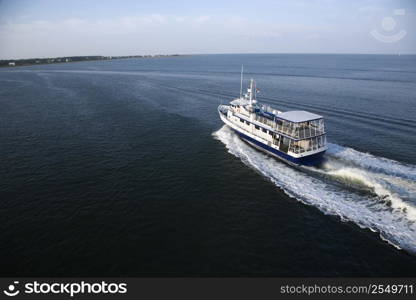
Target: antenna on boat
254 90
241 82
251 90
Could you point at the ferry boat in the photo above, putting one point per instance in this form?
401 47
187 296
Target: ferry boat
296 137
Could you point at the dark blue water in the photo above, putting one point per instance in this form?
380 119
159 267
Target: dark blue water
116 168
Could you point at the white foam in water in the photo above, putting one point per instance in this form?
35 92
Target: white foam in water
369 161
388 208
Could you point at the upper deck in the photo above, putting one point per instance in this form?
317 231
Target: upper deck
293 124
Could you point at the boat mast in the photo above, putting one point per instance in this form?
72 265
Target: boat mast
254 90
241 82
251 90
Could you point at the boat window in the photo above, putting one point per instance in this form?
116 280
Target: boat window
247 122
241 120
264 130
294 147
257 127
321 141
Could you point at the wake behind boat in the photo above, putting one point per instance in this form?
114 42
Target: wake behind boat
296 137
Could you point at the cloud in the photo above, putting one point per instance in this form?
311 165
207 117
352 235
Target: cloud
313 36
179 19
371 9
203 19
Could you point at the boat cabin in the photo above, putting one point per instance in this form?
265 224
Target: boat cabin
303 131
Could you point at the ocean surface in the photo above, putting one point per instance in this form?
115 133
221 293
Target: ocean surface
123 168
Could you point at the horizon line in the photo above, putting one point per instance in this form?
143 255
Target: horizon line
219 53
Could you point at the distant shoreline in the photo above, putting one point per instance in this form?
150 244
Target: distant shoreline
69 59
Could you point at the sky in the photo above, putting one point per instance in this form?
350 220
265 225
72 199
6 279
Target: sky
52 28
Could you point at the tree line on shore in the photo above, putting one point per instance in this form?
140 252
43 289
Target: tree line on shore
66 59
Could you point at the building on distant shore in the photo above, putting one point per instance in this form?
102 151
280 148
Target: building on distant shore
12 63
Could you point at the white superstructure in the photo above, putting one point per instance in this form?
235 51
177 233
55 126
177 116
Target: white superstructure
297 137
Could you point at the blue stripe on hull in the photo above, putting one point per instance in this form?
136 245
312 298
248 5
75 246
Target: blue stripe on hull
310 160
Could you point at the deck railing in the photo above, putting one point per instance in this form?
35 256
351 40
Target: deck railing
294 130
291 129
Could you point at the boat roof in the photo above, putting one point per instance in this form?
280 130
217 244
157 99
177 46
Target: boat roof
239 101
297 116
